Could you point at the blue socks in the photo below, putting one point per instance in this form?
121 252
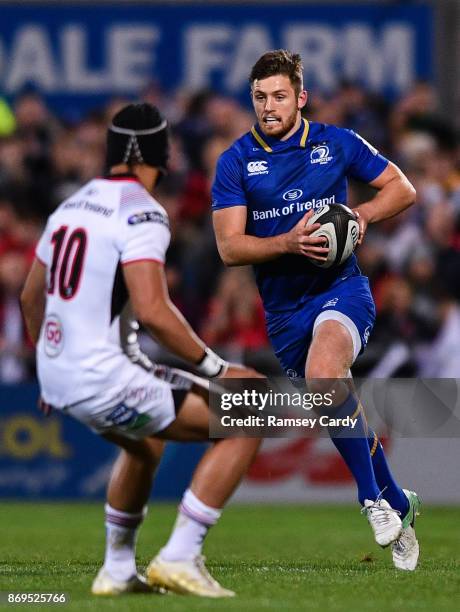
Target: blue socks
363 453
353 445
391 491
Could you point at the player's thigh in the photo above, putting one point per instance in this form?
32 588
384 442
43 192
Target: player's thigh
191 422
341 329
331 353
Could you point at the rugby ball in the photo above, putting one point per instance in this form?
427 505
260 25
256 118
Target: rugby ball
340 229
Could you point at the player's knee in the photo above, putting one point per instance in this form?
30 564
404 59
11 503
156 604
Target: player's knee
313 371
155 451
148 452
246 447
331 353
322 368
318 380
249 446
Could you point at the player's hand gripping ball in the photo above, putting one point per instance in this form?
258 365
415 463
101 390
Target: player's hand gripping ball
340 229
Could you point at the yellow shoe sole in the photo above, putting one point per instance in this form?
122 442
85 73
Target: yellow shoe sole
180 585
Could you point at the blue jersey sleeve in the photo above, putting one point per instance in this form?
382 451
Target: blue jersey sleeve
228 189
364 162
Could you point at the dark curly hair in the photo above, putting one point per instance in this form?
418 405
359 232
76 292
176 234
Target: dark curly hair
279 61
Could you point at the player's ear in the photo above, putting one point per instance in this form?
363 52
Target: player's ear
302 99
250 92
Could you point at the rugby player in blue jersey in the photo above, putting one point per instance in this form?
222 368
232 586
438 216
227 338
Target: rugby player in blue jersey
267 186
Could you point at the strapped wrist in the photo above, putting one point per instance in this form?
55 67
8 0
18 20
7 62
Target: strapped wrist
211 365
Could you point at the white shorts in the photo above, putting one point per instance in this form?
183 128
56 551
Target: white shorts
146 405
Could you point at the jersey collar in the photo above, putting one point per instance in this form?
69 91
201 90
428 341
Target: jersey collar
269 143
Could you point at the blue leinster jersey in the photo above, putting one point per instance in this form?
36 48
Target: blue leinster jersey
278 182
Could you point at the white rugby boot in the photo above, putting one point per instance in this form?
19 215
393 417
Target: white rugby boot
384 520
105 584
185 577
405 550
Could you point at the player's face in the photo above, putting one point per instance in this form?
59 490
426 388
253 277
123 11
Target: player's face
277 104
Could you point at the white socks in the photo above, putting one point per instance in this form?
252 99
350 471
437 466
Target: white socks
192 524
121 534
186 541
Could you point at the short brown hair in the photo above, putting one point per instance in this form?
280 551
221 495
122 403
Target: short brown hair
279 61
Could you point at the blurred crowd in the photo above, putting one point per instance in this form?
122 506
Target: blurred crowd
412 260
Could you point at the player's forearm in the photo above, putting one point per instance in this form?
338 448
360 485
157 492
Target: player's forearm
242 249
33 318
171 329
397 195
32 300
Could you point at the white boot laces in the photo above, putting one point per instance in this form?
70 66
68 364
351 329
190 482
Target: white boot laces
379 515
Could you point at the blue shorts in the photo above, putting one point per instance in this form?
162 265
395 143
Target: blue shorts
348 301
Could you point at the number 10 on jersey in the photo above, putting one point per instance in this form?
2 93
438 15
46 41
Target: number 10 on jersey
69 249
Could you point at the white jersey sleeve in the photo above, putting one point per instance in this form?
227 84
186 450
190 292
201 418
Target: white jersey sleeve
144 231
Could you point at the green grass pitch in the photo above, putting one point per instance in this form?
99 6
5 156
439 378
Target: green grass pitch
275 557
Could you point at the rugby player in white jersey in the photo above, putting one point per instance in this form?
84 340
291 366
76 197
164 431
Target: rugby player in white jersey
103 246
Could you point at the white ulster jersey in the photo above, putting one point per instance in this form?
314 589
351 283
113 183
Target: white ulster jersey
110 222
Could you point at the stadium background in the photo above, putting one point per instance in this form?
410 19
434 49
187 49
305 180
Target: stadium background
389 70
